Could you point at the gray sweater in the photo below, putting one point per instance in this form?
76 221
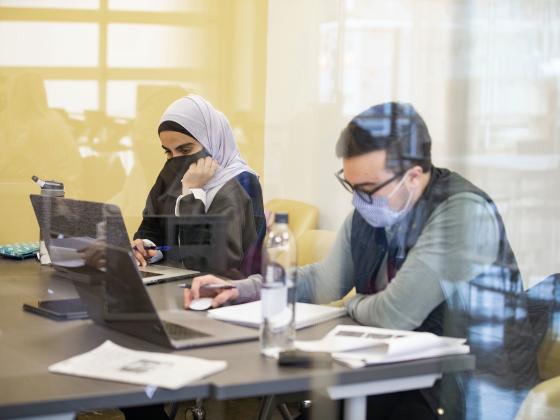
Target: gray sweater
459 242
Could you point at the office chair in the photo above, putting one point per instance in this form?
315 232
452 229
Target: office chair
314 245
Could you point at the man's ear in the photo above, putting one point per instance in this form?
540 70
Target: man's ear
414 176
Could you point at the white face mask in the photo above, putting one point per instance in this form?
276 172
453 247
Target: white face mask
378 213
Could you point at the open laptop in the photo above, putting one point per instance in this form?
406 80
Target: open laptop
88 221
110 286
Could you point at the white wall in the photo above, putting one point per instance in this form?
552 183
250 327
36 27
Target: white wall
484 75
329 60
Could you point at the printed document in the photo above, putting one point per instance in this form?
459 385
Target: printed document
115 363
358 346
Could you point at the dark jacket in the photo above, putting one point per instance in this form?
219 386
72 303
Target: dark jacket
231 201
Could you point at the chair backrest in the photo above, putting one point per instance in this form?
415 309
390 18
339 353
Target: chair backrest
544 313
302 216
543 401
313 245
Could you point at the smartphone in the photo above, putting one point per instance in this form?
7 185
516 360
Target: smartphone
299 358
58 309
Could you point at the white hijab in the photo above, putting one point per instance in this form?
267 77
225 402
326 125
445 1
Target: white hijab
211 128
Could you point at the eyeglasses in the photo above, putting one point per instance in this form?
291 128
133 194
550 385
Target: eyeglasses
366 195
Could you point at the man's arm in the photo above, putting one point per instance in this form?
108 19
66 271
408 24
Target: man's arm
322 282
459 242
333 277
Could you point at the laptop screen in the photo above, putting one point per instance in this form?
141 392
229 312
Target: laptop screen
77 218
196 242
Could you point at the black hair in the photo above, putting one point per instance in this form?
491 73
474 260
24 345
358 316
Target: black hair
173 126
394 127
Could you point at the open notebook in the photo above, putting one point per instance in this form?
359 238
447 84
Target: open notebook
249 314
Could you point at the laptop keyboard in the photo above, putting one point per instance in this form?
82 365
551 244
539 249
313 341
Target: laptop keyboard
146 274
178 332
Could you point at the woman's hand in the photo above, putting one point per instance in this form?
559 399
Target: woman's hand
94 254
141 253
220 296
199 173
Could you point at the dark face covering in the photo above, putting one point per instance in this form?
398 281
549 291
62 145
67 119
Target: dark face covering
174 169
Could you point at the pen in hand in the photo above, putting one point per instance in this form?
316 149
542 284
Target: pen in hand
151 248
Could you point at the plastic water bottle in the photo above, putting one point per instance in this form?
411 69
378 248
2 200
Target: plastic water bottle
278 293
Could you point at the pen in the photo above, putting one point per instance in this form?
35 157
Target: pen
159 248
211 286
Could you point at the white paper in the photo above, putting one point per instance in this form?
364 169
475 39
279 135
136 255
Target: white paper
250 314
112 362
358 346
363 358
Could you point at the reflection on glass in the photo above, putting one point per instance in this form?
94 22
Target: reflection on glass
35 140
58 4
155 46
48 44
73 96
157 6
102 74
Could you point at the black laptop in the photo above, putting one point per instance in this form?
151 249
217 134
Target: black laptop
110 287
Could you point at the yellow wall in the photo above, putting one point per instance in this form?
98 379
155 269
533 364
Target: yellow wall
83 85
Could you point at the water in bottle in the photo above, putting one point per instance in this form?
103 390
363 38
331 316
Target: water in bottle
278 291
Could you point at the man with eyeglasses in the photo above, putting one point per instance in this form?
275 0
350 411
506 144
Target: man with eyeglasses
426 250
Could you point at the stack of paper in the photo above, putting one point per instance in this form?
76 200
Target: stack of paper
115 363
250 315
358 346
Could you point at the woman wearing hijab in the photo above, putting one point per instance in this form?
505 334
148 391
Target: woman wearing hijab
204 174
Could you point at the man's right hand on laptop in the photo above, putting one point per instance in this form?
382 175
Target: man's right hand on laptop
220 296
141 253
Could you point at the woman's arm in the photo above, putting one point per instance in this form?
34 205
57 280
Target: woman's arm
150 227
234 205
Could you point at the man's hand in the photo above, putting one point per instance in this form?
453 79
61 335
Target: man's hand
141 253
220 296
199 173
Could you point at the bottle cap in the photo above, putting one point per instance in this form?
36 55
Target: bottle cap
281 218
53 185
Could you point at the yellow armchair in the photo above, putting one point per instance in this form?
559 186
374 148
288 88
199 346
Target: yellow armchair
302 216
313 245
542 402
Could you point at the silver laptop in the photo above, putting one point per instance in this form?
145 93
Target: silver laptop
85 222
110 286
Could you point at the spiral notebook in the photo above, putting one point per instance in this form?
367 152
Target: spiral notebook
250 315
